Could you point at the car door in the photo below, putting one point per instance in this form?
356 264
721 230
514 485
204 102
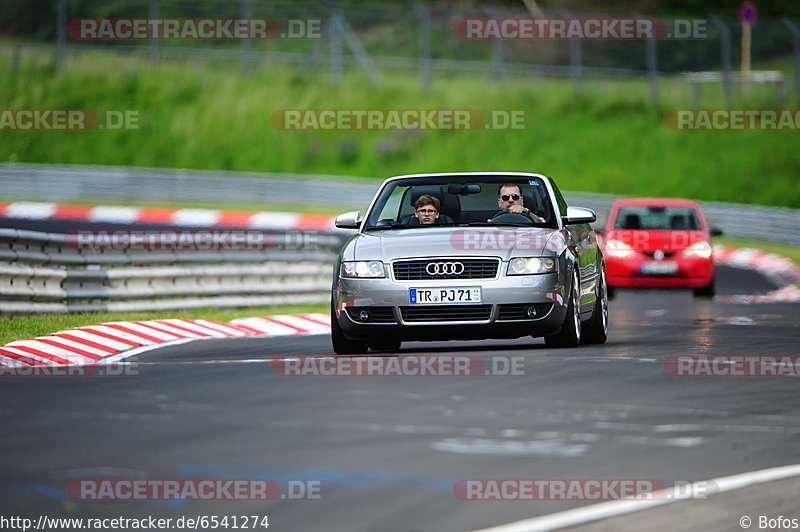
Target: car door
582 242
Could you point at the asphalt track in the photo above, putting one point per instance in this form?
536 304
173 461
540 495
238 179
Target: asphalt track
387 451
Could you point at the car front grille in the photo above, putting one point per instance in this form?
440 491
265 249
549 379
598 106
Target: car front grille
417 270
520 312
374 314
446 313
667 254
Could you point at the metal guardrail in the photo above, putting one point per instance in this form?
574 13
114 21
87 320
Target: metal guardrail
121 183
43 272
97 183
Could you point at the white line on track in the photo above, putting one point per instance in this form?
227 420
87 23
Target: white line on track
605 510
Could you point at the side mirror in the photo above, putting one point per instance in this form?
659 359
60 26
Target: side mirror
348 220
579 215
716 231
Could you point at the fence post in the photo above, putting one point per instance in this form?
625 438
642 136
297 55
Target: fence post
15 59
366 63
425 70
61 32
245 12
498 46
795 51
336 44
152 12
725 35
651 60
575 59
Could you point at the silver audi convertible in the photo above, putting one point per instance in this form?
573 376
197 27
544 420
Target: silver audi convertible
468 256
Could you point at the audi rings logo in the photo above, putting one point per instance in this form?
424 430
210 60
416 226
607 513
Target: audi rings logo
444 268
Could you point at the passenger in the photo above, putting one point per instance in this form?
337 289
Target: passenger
426 209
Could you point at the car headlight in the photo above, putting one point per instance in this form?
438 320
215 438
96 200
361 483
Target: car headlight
531 265
700 249
619 249
363 268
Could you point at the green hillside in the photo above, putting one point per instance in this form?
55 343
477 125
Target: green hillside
208 116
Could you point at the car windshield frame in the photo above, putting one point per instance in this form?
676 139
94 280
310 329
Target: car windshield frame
392 208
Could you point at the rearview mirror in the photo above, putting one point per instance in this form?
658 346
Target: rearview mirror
348 220
579 215
464 189
716 231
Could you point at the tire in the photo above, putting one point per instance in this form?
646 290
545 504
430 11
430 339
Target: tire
611 291
597 332
570 333
341 345
385 345
705 291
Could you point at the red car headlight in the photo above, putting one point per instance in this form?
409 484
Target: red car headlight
700 249
619 249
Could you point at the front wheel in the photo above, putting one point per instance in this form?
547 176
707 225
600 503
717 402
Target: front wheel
597 332
385 345
341 345
570 333
705 291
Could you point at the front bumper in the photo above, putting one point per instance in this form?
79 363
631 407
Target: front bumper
502 312
627 273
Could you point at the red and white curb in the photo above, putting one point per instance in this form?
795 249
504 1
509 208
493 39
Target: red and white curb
115 341
29 210
781 270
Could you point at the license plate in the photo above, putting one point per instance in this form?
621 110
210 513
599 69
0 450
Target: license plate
662 267
438 296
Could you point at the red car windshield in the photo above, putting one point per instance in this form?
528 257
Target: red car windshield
647 218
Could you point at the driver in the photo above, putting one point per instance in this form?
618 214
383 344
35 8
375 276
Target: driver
509 199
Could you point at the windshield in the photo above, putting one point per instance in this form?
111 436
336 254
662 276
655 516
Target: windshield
670 218
459 200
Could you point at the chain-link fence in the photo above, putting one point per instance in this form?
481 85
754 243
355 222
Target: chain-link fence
329 38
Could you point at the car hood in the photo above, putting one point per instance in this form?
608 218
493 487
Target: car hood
503 242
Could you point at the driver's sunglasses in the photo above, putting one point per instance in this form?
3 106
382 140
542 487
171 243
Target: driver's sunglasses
427 211
506 197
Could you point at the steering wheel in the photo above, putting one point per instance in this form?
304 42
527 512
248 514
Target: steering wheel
511 217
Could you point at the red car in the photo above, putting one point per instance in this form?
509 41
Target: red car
659 243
